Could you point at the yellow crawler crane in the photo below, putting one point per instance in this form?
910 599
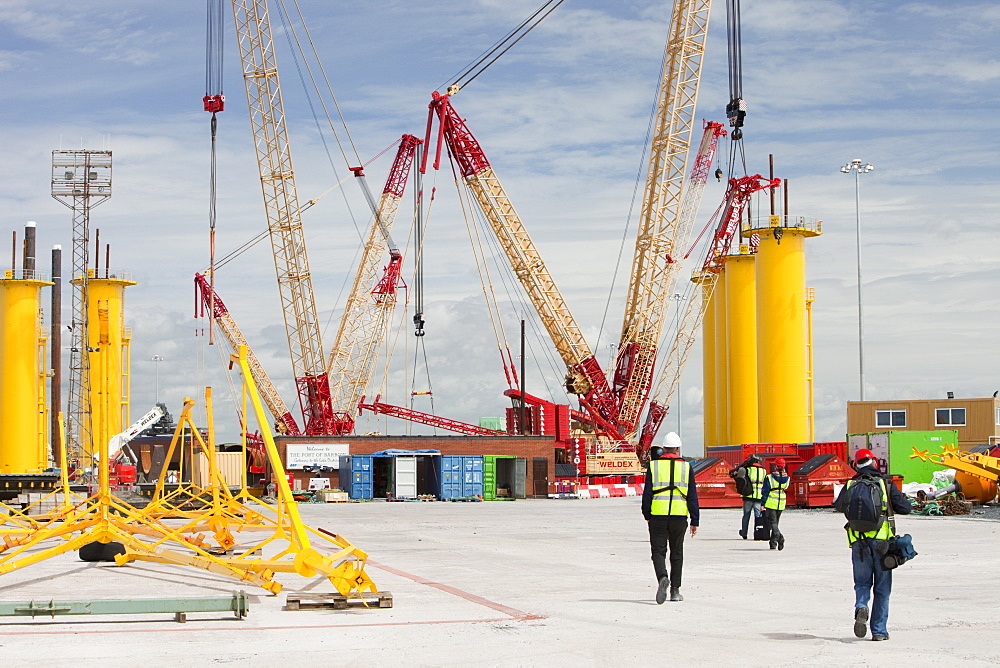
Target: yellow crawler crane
977 474
146 535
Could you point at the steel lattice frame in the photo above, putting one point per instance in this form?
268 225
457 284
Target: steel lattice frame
81 180
654 265
737 199
585 377
298 305
371 302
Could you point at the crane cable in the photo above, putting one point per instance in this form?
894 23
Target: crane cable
486 281
638 183
736 109
466 76
213 91
326 80
260 236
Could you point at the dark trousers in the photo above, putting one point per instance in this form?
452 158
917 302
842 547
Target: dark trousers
667 531
771 517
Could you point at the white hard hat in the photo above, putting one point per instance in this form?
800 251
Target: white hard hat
671 440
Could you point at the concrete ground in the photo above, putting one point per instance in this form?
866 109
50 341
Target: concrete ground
541 583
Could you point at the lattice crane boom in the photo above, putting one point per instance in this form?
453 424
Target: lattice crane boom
223 318
661 224
584 375
274 160
426 418
736 200
370 304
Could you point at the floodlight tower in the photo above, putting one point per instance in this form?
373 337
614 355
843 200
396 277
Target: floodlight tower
859 167
81 180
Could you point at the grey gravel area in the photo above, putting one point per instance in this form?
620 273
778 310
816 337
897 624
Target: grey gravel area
987 512
540 583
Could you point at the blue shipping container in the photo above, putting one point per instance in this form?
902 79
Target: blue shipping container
461 476
356 475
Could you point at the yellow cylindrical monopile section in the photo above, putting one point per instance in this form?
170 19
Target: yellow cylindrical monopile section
21 373
105 333
781 334
708 360
741 338
721 362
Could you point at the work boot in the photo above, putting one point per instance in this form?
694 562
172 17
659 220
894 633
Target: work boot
743 535
773 546
675 594
861 622
661 591
880 636
781 542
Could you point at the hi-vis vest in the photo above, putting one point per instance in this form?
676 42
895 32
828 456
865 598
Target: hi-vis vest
776 496
756 475
669 478
885 531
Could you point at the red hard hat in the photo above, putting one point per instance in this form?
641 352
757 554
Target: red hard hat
780 462
864 453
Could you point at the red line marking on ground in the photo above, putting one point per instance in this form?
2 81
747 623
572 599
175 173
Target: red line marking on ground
472 598
245 628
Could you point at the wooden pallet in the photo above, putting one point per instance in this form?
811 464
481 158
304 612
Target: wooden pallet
331 601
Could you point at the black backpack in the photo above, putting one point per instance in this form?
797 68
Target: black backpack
862 505
744 486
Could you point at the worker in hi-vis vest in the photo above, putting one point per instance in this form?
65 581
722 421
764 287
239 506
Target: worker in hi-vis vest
870 578
774 497
751 504
668 499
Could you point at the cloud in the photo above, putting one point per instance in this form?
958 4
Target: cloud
563 119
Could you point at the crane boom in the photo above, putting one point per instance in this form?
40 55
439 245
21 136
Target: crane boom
428 419
584 375
277 178
735 203
371 301
224 319
662 227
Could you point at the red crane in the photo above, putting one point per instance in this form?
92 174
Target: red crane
735 203
584 377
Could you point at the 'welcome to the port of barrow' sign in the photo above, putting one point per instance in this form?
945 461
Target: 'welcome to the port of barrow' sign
315 454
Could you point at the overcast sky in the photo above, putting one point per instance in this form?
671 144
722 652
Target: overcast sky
909 87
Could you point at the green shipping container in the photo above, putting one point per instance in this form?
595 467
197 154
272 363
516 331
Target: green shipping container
498 471
900 444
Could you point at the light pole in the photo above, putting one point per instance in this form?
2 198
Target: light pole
859 168
156 359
